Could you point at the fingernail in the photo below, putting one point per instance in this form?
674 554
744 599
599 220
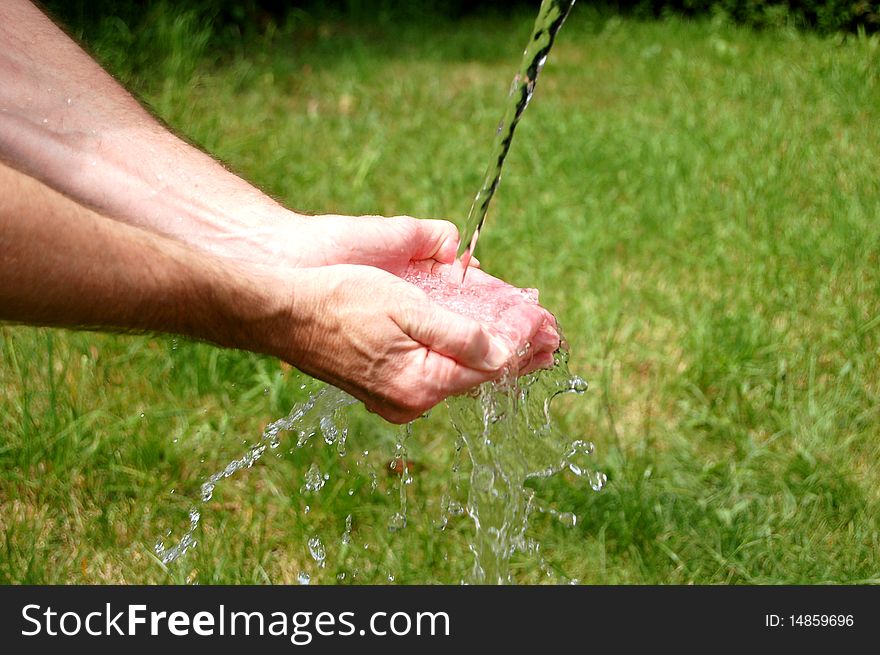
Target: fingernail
499 354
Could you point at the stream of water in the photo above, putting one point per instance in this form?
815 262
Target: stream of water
551 16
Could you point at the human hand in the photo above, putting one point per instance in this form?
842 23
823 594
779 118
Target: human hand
389 243
384 341
400 244
504 310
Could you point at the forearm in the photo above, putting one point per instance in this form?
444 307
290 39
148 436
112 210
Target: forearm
64 265
364 329
68 123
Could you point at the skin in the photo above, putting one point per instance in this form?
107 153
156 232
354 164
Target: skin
66 122
107 220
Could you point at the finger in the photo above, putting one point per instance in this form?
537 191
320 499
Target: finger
450 378
545 340
540 360
547 337
435 239
453 335
519 324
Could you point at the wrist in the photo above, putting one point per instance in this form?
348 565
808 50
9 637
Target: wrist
253 308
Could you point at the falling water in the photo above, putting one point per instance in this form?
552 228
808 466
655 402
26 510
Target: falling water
506 436
510 437
507 430
305 420
551 16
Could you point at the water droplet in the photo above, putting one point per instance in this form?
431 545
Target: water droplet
314 480
329 430
317 551
397 522
578 385
567 519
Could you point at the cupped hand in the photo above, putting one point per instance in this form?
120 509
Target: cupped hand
389 243
505 311
384 341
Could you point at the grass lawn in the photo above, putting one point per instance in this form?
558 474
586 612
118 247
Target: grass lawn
699 205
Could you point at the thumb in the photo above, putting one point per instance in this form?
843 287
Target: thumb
458 337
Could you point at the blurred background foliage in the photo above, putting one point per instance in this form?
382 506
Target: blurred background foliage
243 16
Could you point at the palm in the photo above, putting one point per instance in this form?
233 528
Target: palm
503 309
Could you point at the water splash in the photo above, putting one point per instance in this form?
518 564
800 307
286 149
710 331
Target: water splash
188 541
510 438
551 16
315 480
317 550
506 435
302 419
346 535
399 465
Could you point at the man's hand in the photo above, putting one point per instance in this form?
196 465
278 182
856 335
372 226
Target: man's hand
363 329
384 341
391 244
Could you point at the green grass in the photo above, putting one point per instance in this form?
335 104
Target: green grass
698 204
